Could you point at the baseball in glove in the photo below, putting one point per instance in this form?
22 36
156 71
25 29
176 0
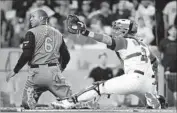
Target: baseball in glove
74 25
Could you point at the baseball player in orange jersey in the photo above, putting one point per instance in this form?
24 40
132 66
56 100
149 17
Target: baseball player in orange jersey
139 76
46 53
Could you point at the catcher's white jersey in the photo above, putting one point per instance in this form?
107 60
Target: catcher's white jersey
136 57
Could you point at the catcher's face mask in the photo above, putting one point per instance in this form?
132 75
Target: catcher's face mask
122 27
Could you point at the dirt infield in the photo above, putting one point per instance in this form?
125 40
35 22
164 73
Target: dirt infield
111 111
119 110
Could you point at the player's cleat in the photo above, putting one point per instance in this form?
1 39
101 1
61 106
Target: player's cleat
163 102
88 105
64 104
152 101
55 105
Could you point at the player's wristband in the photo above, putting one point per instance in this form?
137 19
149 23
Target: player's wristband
88 33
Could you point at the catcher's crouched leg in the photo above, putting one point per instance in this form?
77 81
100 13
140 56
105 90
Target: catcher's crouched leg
87 97
76 101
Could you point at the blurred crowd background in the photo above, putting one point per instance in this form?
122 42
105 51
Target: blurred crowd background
157 24
154 17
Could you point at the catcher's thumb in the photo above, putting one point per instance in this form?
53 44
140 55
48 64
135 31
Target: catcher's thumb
81 24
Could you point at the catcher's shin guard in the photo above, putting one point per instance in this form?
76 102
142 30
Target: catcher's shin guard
95 87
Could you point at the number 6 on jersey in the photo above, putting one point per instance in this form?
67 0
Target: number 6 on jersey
48 44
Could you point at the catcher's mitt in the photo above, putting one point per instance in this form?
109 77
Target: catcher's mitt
74 25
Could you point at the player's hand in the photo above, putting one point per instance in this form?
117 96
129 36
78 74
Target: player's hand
10 75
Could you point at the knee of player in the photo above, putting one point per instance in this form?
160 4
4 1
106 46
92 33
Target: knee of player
99 87
103 89
25 104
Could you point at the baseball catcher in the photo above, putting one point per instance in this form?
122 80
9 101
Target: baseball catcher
139 75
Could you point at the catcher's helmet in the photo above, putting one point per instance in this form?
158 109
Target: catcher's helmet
124 26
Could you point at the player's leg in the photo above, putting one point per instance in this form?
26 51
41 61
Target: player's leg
125 84
31 94
58 85
142 98
153 100
119 85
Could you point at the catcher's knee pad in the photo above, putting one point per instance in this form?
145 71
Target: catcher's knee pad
95 86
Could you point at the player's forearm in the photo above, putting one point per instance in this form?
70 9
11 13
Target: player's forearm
24 58
98 37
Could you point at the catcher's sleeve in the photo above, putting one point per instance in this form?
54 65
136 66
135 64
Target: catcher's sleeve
75 26
112 43
28 49
98 37
64 55
117 44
